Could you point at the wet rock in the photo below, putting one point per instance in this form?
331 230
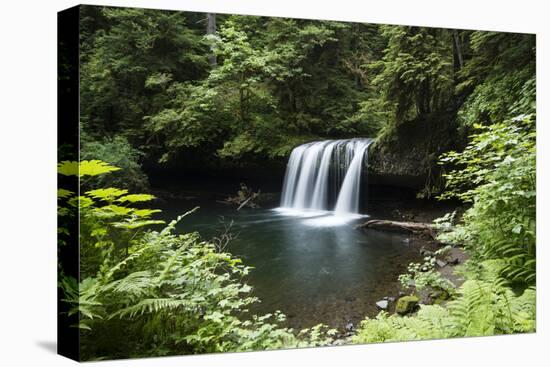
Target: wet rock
453 260
391 299
406 305
383 304
440 263
438 296
425 252
424 297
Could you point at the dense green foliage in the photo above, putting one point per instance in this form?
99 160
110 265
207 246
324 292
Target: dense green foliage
148 77
145 292
483 308
119 152
416 73
494 93
157 89
277 82
501 76
496 172
500 163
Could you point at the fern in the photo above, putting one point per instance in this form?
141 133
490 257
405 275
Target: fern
483 308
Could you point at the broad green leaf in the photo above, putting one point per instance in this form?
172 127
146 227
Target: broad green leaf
137 224
107 194
114 209
146 212
62 193
85 168
133 198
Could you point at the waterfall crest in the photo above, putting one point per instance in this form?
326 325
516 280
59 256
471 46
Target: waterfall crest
319 171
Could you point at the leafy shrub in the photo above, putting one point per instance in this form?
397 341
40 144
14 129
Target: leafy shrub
425 276
147 293
501 76
120 153
496 172
483 308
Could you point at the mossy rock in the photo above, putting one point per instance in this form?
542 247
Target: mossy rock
439 296
406 305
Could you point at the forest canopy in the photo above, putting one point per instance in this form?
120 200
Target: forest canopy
252 88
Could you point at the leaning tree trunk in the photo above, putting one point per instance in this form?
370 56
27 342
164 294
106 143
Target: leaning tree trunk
211 29
458 49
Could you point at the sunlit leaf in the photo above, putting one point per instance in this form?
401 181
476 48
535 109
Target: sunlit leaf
146 212
134 198
106 194
62 193
85 168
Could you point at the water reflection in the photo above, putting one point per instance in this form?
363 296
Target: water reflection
314 273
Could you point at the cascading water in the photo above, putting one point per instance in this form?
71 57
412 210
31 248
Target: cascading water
320 190
348 198
319 170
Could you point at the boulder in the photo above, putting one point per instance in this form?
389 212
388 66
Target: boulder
383 304
425 252
406 305
453 260
438 296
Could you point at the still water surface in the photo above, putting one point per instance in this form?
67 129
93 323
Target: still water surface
311 266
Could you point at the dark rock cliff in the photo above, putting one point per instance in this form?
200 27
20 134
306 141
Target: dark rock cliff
407 156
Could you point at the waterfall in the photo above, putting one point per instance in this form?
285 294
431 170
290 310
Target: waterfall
320 190
348 198
302 197
290 176
322 170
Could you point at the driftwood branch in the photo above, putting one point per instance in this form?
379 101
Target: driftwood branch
245 197
245 202
403 227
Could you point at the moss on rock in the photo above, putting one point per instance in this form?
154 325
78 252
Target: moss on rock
406 304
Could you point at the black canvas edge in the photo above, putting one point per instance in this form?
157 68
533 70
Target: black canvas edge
68 35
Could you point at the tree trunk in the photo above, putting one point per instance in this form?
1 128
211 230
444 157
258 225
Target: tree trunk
404 227
458 49
211 29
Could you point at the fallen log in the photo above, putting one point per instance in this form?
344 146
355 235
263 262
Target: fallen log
245 197
245 202
403 227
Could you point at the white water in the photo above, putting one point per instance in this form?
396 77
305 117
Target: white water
348 198
302 197
320 190
320 172
290 176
